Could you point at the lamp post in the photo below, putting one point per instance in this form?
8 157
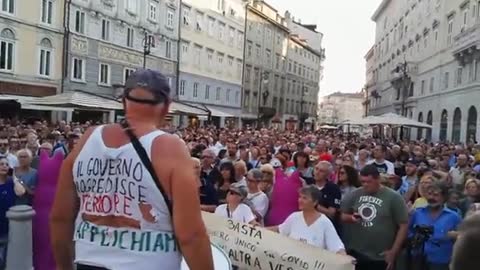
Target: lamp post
148 44
263 80
302 102
402 88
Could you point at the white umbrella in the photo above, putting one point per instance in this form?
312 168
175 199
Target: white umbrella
389 119
328 127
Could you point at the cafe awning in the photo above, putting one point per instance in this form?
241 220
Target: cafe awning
33 107
182 108
78 100
25 104
218 113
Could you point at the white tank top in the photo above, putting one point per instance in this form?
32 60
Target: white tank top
123 222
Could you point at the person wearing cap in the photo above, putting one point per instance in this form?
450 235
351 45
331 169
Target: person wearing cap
410 179
257 198
235 208
439 246
103 163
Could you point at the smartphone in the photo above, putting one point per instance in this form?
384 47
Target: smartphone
10 172
357 216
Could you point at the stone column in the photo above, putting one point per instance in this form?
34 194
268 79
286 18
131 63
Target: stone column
19 253
111 117
222 122
69 117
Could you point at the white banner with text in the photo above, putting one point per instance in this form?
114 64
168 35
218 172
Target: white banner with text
251 248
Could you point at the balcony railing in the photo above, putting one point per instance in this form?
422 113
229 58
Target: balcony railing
469 38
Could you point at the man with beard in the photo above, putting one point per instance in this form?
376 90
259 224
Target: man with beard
231 153
438 247
410 180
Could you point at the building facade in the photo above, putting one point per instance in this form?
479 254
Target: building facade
426 66
31 47
305 56
107 40
211 64
339 107
265 64
369 82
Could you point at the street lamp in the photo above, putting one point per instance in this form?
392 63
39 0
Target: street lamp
402 85
148 44
302 117
264 95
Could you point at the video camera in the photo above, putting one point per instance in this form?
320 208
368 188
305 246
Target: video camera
422 234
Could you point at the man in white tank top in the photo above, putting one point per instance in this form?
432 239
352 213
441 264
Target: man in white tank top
109 202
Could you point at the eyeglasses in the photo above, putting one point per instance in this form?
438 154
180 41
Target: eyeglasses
341 172
234 192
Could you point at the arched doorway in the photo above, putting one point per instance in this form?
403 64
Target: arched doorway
443 125
420 130
429 121
472 125
457 125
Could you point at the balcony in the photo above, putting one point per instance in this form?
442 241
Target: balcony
267 112
466 44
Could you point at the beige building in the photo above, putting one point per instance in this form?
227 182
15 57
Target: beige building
265 63
283 67
339 107
426 66
211 58
31 47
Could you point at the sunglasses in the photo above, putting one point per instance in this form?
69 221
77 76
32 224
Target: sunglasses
234 192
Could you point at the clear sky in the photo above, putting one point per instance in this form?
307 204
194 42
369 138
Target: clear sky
348 35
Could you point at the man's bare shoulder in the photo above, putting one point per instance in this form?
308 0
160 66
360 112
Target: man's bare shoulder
169 146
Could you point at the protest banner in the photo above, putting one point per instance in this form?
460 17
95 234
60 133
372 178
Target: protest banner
251 248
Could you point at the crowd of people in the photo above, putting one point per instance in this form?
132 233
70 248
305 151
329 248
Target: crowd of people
390 205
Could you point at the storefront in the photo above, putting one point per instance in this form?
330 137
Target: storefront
224 117
291 122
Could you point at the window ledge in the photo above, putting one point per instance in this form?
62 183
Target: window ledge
78 80
5 71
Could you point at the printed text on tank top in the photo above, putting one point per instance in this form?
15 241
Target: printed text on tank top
121 209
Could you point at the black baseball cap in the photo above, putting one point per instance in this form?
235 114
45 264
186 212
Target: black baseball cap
150 80
414 161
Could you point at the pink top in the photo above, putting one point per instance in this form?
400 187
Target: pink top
48 172
284 200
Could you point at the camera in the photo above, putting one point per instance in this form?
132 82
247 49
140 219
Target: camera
422 234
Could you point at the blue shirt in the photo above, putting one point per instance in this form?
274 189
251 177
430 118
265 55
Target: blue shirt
438 249
7 200
404 187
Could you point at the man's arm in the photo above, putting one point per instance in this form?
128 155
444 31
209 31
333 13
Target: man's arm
400 216
64 211
174 165
346 208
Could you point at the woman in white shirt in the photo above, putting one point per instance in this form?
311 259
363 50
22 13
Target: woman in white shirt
235 209
310 226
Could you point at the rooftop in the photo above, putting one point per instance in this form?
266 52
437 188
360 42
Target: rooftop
346 95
